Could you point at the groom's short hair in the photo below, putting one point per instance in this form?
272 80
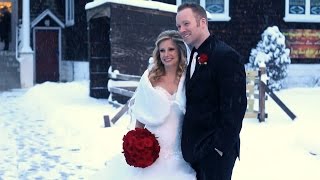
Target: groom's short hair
198 10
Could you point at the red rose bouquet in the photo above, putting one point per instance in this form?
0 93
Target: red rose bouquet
140 147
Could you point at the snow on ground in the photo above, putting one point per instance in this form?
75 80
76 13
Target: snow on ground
55 131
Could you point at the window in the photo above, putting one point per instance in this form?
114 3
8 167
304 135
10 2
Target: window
302 11
69 12
218 9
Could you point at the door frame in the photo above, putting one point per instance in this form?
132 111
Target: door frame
59 47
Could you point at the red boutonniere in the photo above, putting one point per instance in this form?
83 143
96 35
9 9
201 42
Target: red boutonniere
203 59
140 147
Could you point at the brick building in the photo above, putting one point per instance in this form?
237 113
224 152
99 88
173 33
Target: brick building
55 44
240 23
64 34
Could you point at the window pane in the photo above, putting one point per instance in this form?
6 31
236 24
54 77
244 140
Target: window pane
191 1
69 9
69 12
315 7
215 6
297 6
72 9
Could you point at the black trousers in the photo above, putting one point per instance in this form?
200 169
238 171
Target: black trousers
215 167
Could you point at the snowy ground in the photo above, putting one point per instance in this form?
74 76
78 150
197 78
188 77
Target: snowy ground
55 131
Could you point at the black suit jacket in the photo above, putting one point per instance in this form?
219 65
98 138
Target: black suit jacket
216 102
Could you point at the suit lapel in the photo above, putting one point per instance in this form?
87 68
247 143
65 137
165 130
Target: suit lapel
192 81
188 72
208 47
189 67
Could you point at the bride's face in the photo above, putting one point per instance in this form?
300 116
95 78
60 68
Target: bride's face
169 54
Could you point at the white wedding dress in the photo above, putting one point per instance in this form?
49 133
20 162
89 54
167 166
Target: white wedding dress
162 113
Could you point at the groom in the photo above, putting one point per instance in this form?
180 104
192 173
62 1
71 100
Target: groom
216 98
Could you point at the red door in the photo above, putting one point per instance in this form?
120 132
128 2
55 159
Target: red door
47 55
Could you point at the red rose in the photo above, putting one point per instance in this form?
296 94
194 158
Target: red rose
148 142
140 147
203 59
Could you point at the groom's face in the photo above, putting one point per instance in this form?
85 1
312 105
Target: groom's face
188 27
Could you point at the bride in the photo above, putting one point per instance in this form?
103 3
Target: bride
159 106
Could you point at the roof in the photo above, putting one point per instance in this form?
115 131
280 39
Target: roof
138 3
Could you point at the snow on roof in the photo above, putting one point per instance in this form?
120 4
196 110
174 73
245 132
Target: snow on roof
138 3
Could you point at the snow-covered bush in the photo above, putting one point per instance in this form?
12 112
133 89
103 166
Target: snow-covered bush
271 52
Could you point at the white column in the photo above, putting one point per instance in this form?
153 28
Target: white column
26 26
27 70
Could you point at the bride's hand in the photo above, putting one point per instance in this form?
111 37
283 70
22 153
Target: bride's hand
139 124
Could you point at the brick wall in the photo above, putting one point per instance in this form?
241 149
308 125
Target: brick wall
38 6
133 33
75 38
249 18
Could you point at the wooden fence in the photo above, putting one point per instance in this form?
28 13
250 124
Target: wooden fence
256 94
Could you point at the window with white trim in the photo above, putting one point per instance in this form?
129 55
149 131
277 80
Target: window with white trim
69 12
302 11
218 9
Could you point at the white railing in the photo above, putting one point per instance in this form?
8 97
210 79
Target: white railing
18 41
